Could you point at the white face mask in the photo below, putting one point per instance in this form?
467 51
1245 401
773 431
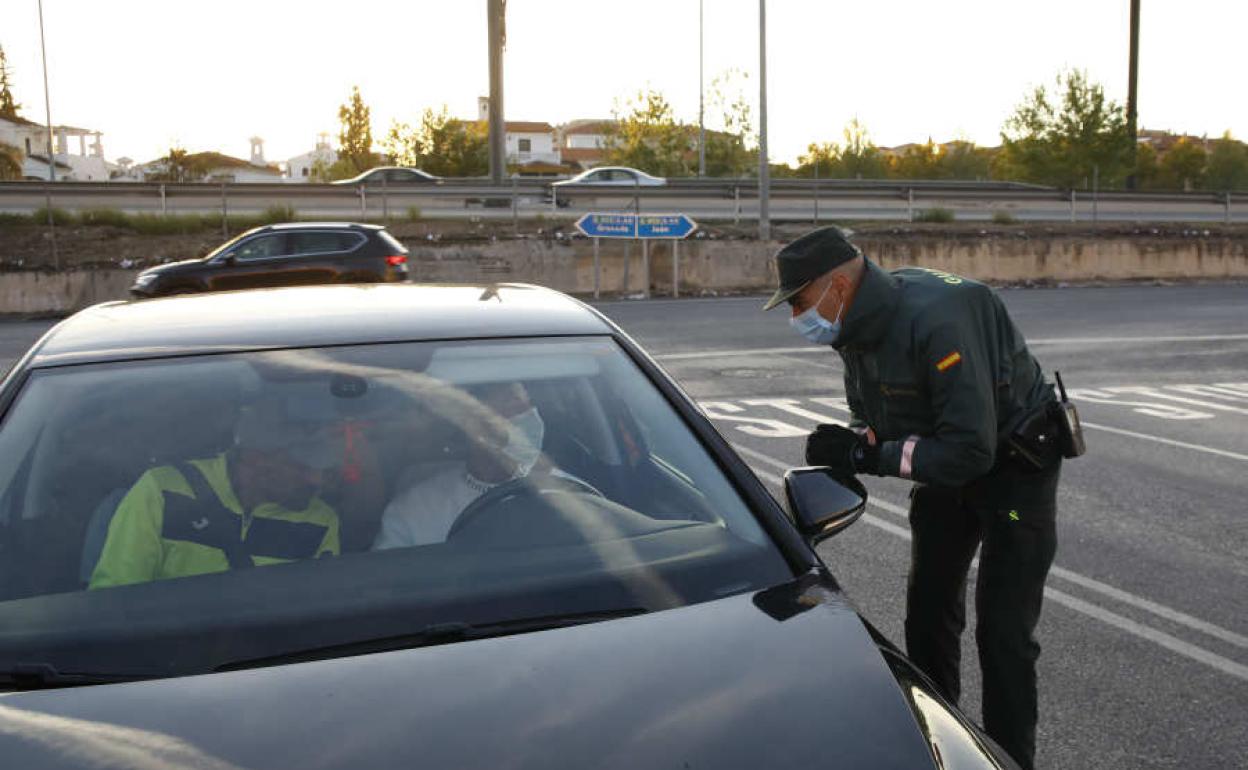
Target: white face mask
814 327
525 432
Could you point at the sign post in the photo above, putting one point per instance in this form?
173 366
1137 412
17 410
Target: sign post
643 227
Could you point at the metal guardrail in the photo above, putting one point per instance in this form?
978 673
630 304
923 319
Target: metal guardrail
901 198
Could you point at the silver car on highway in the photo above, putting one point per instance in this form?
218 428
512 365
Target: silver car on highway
613 176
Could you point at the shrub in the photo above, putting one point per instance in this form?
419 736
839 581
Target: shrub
1003 218
274 215
15 219
934 215
413 213
60 217
112 217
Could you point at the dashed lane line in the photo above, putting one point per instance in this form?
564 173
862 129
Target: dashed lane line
1091 584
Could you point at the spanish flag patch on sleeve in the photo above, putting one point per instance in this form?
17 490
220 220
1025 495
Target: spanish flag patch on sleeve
949 361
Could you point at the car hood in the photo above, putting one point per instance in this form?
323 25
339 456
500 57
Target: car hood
173 267
789 677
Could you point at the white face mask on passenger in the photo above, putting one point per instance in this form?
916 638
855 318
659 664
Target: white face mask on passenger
525 432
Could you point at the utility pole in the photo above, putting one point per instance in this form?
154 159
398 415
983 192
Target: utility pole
496 11
701 97
47 104
1132 77
764 171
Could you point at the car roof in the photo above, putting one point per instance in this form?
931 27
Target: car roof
317 226
311 316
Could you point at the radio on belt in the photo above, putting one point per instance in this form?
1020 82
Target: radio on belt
1067 417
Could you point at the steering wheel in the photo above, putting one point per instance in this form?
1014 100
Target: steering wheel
533 485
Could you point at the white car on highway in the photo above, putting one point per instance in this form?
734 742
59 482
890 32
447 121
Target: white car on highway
613 176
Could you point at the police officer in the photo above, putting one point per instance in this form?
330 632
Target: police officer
943 391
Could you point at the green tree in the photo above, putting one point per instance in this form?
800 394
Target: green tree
820 160
646 135
1145 167
961 159
355 138
441 145
920 161
8 107
1227 168
1060 142
10 163
1183 166
860 158
730 148
177 166
856 158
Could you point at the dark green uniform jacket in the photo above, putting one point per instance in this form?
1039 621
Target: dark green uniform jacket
935 366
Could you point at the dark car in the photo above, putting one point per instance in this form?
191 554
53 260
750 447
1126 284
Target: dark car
284 255
391 176
398 525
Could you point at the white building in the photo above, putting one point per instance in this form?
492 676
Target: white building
583 142
219 167
75 160
527 143
300 167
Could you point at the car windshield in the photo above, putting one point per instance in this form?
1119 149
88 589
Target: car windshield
182 515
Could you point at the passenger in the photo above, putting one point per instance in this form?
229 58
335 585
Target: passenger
253 505
425 512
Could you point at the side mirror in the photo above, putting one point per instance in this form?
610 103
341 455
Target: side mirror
821 503
228 259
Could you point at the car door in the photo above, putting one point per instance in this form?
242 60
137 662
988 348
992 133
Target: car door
259 262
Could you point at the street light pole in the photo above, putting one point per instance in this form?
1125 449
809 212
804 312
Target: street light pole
497 11
1132 76
764 171
47 104
701 97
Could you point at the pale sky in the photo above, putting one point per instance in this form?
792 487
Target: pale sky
208 75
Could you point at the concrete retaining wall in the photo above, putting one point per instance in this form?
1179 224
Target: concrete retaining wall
725 265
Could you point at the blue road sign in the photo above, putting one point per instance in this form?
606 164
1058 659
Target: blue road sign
636 225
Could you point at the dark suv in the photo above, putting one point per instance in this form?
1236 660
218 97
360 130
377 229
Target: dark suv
284 255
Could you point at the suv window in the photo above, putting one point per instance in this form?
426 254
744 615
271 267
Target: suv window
262 247
322 242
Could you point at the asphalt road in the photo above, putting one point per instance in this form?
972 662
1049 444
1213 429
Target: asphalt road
1145 626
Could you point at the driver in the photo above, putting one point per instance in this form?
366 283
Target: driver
425 512
253 505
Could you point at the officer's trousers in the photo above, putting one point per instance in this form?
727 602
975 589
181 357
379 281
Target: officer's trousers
1010 514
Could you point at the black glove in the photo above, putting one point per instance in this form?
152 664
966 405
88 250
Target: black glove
842 450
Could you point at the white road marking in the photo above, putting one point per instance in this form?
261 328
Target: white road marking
1210 391
1092 584
791 405
1137 390
1167 441
740 352
1149 408
1148 633
754 426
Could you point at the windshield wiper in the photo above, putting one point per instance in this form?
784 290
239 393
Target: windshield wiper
438 633
45 676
